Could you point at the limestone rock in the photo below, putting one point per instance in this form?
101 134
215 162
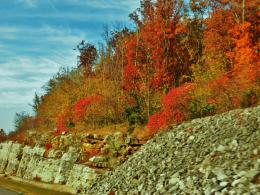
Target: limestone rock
14 158
4 154
218 156
59 167
80 177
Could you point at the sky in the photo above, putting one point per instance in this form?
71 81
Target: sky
37 38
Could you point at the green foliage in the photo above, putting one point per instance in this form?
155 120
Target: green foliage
36 102
135 113
3 135
199 109
249 98
20 119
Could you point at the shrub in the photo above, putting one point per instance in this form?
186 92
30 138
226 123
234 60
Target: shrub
48 146
156 122
175 108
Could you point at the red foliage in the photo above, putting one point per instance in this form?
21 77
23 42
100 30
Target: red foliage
81 106
93 152
175 107
48 146
61 125
178 116
152 52
177 97
156 122
176 102
130 77
220 83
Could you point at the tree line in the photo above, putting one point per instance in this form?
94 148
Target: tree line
183 60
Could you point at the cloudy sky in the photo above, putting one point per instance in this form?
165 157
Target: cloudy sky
37 37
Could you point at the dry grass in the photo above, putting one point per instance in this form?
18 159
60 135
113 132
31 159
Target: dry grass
141 132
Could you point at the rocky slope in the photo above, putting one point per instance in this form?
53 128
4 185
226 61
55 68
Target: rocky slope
212 155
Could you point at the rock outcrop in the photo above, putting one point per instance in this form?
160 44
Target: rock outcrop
212 155
57 167
63 164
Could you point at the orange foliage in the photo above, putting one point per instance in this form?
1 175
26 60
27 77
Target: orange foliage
246 66
211 45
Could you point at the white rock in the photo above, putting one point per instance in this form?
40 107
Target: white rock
223 184
235 182
221 148
13 161
219 173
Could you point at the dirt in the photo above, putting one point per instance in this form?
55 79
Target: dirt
31 188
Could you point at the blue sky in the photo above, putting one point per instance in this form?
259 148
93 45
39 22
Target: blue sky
37 37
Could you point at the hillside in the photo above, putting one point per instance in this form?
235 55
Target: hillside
218 154
181 60
130 113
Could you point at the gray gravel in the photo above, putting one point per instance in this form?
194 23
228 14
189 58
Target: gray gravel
212 155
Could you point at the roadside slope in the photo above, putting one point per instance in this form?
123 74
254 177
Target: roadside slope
213 154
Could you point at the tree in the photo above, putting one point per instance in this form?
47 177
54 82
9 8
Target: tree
20 119
183 60
3 135
154 60
87 57
36 102
23 122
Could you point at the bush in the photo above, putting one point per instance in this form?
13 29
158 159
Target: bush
175 108
23 122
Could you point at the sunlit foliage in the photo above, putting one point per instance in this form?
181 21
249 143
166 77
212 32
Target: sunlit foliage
183 60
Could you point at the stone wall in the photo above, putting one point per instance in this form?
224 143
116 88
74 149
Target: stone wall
32 163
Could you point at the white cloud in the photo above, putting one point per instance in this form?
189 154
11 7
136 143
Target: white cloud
28 3
104 4
37 37
10 84
44 35
95 10
13 99
7 29
21 76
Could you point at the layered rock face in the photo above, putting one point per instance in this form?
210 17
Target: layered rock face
54 167
60 164
212 155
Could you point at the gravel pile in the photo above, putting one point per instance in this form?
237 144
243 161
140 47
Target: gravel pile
212 155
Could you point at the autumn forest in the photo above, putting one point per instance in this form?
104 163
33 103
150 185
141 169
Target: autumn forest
183 60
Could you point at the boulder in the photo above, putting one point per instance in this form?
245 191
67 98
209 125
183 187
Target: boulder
59 167
5 149
80 177
14 158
